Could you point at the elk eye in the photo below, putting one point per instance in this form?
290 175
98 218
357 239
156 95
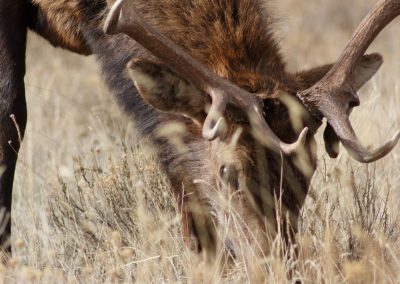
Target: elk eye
223 170
229 176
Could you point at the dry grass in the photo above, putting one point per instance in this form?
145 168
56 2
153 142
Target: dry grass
90 204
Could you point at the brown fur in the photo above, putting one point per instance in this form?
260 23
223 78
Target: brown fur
234 39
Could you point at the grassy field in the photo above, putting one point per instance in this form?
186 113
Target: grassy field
90 204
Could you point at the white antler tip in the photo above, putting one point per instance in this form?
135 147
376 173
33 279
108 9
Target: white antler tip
216 131
303 136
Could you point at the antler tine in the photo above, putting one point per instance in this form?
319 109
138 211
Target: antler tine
212 129
261 130
333 95
350 141
362 155
123 19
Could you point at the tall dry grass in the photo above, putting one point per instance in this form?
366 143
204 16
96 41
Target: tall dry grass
90 204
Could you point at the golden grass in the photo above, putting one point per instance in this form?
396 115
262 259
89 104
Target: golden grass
90 204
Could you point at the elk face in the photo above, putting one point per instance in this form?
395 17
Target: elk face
244 171
248 174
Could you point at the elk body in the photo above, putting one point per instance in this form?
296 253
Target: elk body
215 69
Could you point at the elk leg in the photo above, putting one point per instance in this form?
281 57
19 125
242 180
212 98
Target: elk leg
12 101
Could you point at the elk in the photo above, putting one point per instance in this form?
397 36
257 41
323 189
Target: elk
215 69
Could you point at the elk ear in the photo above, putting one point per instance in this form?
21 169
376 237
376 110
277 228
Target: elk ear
365 69
166 91
307 78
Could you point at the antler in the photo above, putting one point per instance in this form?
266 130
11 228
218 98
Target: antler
334 97
222 91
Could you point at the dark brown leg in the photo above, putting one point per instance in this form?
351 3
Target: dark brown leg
12 100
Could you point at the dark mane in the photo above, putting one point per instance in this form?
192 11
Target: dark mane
225 34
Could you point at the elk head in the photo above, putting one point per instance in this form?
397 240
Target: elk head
234 117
